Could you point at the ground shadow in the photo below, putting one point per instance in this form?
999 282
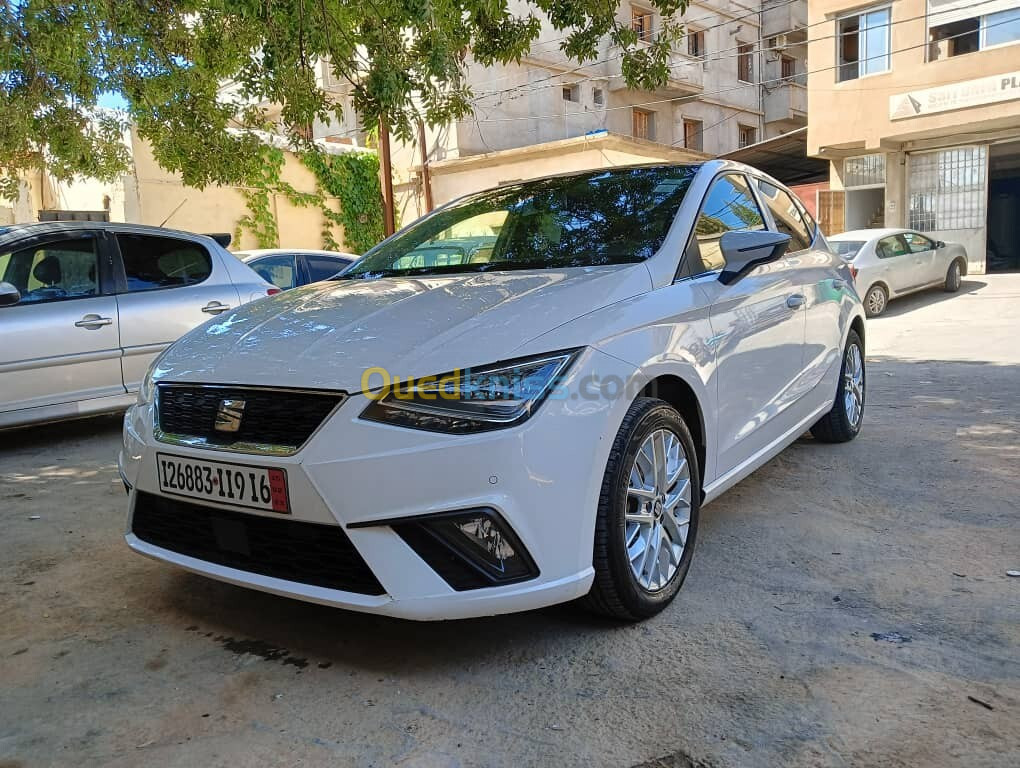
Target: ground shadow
927 298
58 432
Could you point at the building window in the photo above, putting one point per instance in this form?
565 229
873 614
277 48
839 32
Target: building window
643 123
864 171
745 62
693 130
570 93
787 67
696 43
947 189
863 47
953 36
598 97
746 135
641 22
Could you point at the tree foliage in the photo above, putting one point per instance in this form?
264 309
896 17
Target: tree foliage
171 59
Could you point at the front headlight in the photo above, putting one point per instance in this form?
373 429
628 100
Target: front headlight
470 400
148 388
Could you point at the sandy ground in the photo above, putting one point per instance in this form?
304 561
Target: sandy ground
847 606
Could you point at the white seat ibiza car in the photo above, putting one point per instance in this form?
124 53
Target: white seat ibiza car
535 415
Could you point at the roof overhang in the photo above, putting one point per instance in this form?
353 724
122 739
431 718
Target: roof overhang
784 158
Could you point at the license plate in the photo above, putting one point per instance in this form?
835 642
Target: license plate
239 485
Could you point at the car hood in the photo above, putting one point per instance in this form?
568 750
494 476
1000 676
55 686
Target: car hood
328 334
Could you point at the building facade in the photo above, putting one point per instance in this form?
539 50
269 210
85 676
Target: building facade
916 104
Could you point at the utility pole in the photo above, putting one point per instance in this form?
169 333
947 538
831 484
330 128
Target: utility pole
386 172
426 176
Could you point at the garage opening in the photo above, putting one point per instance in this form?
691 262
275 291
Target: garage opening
1003 247
864 182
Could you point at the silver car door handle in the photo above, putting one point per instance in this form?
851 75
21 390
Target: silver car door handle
215 307
796 301
93 321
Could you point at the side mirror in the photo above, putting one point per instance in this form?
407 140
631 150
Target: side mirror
940 244
743 251
9 295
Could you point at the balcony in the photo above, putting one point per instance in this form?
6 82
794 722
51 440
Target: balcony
785 17
787 102
687 75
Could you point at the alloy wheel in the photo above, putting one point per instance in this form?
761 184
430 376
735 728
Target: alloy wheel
876 301
658 513
853 385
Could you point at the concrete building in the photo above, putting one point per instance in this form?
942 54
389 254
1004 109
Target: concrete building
916 104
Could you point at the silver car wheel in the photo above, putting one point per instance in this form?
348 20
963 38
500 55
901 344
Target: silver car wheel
658 513
853 385
876 301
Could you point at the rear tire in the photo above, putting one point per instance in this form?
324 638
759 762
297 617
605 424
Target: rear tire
640 505
843 422
954 276
876 300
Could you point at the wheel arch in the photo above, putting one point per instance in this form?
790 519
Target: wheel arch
680 395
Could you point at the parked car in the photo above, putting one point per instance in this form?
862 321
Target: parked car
85 307
889 263
636 341
290 267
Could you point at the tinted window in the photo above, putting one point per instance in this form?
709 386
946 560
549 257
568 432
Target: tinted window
323 267
890 247
67 269
152 262
918 243
602 217
787 216
729 207
279 270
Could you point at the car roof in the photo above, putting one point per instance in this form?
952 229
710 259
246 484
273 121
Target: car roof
869 234
12 231
254 253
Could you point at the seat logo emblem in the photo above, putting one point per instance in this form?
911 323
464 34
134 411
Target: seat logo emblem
228 415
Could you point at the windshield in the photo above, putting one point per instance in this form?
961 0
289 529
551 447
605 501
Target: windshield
597 218
846 248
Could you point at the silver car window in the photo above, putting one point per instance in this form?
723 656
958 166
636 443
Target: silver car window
55 271
152 262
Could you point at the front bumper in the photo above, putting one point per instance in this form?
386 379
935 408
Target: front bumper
543 478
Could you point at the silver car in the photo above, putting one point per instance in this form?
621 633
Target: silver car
288 268
889 263
85 308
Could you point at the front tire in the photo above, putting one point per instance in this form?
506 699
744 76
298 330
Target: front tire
954 277
647 519
843 422
876 300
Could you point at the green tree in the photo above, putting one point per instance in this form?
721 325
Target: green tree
170 60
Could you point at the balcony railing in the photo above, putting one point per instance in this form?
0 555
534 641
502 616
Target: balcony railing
788 101
687 74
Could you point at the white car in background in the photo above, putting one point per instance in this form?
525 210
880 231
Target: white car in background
889 263
85 307
623 346
288 268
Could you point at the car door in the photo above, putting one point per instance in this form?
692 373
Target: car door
758 327
280 269
60 342
169 285
897 267
922 251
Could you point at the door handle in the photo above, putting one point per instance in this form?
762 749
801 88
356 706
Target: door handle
796 301
93 321
215 307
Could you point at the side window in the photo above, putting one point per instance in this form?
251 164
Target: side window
891 247
729 207
66 269
787 216
323 267
280 270
152 262
918 243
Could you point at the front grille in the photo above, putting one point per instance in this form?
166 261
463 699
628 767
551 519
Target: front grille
308 553
272 420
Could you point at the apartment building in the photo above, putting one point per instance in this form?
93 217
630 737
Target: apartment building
916 104
547 113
